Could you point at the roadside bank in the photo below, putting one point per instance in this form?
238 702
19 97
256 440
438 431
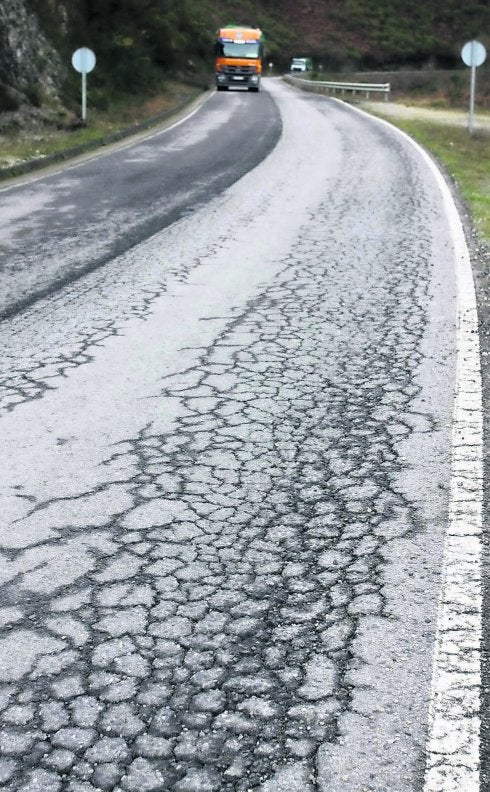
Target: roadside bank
44 147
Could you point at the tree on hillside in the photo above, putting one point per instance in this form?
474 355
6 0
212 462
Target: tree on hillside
137 41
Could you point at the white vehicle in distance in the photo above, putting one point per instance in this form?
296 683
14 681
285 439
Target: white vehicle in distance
301 65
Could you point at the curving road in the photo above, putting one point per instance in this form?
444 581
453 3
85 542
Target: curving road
226 460
57 228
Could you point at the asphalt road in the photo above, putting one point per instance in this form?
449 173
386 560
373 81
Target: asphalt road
225 447
81 217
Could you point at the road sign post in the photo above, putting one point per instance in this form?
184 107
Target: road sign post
473 54
83 60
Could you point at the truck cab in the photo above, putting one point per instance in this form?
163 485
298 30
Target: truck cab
238 58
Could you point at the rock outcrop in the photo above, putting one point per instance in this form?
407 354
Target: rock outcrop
31 70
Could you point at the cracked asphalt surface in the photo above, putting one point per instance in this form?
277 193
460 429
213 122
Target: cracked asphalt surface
226 463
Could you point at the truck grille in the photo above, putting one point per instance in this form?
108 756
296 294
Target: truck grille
239 69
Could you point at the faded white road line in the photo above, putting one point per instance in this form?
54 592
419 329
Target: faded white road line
453 744
453 748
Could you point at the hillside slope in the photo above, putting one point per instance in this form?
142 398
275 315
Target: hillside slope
366 33
138 43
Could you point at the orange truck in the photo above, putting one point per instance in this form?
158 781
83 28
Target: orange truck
238 57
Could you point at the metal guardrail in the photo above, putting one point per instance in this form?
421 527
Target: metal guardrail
325 86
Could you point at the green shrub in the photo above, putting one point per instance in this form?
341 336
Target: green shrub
34 95
456 89
8 102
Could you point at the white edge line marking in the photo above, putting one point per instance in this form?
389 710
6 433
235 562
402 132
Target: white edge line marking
119 145
453 742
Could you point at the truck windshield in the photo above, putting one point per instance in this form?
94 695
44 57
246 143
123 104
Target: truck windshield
230 49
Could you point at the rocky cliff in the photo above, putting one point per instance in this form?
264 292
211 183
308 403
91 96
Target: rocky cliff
31 71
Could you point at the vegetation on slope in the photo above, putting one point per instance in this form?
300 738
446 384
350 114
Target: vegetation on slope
139 43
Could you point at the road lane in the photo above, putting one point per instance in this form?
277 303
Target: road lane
226 484
55 229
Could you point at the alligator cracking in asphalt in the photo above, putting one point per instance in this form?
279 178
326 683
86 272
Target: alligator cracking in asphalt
211 637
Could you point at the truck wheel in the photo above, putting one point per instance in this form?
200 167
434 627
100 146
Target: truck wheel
255 90
221 87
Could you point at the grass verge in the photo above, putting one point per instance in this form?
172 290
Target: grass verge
466 158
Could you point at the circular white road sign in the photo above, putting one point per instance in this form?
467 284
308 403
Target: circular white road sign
473 53
83 60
